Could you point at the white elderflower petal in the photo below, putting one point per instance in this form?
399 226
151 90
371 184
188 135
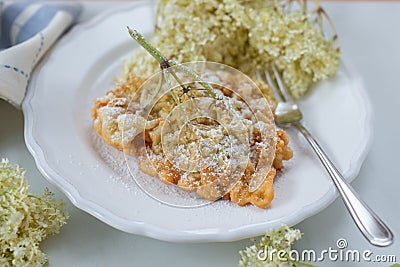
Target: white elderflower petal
280 239
243 35
25 219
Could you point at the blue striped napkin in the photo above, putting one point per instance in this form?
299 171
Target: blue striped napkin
28 29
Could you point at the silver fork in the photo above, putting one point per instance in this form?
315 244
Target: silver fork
287 113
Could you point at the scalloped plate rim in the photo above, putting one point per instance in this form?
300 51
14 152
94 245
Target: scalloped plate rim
147 229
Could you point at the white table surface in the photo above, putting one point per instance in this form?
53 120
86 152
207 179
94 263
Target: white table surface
370 38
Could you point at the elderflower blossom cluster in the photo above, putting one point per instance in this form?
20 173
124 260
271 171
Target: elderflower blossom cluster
25 219
280 239
243 34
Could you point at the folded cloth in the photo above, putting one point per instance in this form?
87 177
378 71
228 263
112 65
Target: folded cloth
28 29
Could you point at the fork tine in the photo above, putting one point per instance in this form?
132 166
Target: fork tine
286 96
278 94
258 75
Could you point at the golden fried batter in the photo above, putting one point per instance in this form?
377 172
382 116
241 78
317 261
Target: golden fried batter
107 111
110 115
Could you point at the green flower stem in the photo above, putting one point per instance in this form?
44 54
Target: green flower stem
197 78
154 52
166 63
173 94
146 45
42 199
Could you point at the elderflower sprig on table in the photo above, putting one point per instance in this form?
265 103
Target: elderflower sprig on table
25 219
278 240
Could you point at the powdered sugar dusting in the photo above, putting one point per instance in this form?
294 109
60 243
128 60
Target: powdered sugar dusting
114 159
127 172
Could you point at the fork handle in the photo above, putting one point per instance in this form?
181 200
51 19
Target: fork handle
370 225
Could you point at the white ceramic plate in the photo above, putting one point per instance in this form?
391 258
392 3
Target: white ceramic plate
59 134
